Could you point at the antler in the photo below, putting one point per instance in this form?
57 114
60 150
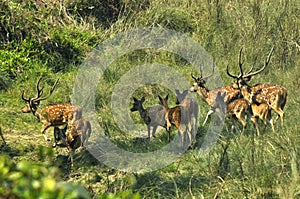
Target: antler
229 74
201 76
212 72
40 91
249 74
240 67
240 63
195 78
263 68
23 98
255 59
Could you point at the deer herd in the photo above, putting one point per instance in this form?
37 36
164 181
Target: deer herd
237 102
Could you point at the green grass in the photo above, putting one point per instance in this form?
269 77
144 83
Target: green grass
238 166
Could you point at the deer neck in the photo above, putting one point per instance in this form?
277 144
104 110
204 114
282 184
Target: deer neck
36 112
246 92
203 92
144 114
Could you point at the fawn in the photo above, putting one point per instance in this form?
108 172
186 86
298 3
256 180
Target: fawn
152 116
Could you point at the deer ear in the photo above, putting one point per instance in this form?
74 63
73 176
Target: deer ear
143 99
177 91
134 99
205 80
224 95
160 99
185 92
167 97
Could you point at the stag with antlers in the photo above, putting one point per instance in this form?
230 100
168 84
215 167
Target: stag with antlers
53 114
273 95
236 107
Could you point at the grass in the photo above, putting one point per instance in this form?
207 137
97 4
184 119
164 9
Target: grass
237 166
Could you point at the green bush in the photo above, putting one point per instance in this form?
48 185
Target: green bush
30 180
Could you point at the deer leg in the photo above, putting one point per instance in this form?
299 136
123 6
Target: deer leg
190 137
271 121
181 138
56 136
281 117
195 129
85 137
272 124
183 130
71 152
263 117
70 149
168 122
44 128
244 123
154 131
280 112
190 130
253 119
169 136
207 115
88 134
62 135
233 126
242 120
149 134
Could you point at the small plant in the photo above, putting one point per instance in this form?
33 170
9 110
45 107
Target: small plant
30 180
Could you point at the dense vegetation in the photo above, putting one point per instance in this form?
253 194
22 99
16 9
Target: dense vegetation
53 38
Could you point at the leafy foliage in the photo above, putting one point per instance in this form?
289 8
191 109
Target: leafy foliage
29 180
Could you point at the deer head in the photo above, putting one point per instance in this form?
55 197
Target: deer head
180 96
137 104
33 103
201 81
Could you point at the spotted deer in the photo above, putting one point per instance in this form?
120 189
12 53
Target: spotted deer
243 107
84 125
209 96
180 117
52 114
261 111
152 116
192 107
273 95
77 135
